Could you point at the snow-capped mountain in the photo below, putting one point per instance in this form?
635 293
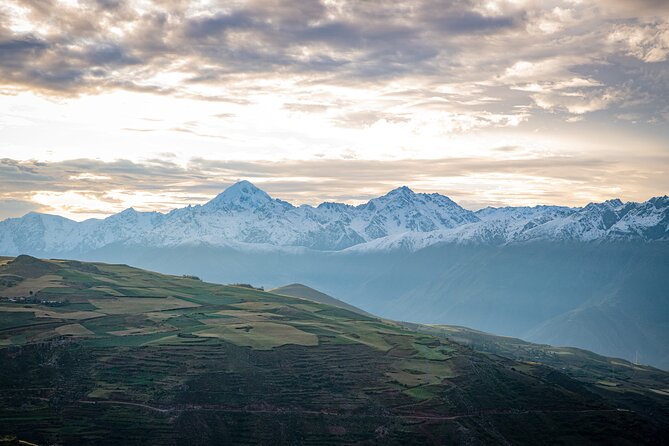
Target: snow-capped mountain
244 217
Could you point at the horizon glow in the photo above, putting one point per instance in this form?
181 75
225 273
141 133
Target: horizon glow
111 104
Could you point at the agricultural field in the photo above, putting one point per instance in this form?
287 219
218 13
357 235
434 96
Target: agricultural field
109 354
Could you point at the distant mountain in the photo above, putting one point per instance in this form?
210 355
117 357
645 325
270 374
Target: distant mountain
245 217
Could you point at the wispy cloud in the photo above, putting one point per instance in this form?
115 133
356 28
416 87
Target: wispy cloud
106 187
331 100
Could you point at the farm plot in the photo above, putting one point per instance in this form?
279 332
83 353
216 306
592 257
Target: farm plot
30 286
260 335
133 305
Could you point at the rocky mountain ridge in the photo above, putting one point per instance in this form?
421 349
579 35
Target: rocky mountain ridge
246 217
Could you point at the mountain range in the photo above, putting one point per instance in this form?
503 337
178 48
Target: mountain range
594 277
245 217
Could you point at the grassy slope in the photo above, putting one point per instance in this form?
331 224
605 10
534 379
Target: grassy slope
111 354
305 292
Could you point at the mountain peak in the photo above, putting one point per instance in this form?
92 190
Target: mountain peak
243 187
403 190
242 193
402 194
614 202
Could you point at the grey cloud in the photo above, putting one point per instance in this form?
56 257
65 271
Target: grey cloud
648 7
16 208
217 24
384 39
110 4
643 88
466 22
21 47
412 169
109 54
73 49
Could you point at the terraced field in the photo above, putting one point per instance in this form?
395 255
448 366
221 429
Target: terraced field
109 354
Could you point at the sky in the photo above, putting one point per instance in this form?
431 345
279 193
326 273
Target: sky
110 104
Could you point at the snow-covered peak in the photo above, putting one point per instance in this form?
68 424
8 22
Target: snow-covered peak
523 212
129 214
332 206
402 210
613 204
660 202
240 192
244 216
402 191
242 195
397 197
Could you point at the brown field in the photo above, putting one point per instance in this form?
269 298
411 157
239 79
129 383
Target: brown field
247 315
78 315
158 316
24 288
41 312
260 335
141 330
15 309
260 305
107 290
74 330
133 305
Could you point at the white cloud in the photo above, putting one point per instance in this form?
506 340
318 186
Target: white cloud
648 42
577 102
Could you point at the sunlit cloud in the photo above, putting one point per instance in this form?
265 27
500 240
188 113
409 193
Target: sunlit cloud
115 102
97 189
648 42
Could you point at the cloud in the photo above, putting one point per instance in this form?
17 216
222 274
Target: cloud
648 42
460 21
74 187
577 101
328 79
16 208
644 8
65 48
217 24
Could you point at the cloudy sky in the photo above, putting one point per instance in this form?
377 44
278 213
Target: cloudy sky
107 104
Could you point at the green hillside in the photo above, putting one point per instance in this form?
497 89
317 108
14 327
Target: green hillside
613 378
94 353
305 292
